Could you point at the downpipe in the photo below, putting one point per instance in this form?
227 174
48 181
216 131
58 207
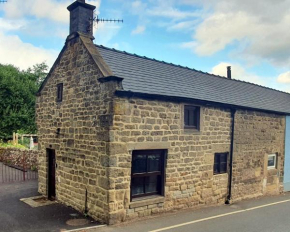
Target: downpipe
229 196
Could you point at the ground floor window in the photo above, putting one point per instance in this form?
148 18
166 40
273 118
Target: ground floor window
272 160
147 173
220 163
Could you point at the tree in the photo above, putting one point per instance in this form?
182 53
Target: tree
17 98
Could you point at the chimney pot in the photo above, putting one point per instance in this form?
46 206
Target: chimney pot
229 72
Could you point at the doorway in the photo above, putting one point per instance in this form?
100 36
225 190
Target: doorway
51 174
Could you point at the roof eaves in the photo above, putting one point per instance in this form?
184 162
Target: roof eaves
124 93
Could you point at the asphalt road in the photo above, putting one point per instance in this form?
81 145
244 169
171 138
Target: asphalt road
16 216
267 214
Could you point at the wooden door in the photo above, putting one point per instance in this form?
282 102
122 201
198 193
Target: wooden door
51 174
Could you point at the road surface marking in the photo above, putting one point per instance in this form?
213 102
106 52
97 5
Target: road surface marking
218 216
84 229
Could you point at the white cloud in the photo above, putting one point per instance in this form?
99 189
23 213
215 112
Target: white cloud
138 30
238 72
23 55
261 25
183 26
12 25
104 32
48 9
284 78
170 12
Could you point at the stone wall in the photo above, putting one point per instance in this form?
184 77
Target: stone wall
23 158
99 131
149 124
190 182
83 117
256 136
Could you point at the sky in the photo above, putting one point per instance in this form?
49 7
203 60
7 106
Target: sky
251 36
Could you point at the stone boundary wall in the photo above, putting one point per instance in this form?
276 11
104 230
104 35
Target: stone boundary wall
16 157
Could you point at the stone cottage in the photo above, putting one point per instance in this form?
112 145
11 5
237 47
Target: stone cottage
124 136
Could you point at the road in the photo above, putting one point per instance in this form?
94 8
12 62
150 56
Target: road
16 216
267 214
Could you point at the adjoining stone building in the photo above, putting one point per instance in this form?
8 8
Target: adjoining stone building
124 136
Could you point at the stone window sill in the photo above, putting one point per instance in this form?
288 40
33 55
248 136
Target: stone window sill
191 131
144 201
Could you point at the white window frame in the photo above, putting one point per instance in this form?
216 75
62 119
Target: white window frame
275 161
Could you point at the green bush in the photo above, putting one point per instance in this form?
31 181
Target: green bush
2 144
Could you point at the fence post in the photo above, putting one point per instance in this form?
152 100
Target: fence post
14 138
23 165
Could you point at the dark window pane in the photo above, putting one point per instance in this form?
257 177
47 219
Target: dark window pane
153 163
223 157
186 117
220 163
271 161
216 168
216 158
151 184
139 164
138 185
191 116
59 92
223 167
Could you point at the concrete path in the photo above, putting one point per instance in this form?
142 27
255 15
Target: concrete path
16 216
267 214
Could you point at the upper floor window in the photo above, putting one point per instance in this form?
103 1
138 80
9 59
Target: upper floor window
59 92
147 173
191 117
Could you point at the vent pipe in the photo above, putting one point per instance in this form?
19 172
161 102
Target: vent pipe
229 76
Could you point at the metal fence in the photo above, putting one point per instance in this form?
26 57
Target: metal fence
11 173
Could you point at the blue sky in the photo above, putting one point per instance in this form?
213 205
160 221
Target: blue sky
251 36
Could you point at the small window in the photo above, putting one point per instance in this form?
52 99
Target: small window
220 163
59 92
147 173
191 117
272 160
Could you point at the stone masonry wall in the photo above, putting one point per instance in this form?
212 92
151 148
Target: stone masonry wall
148 124
23 158
83 117
99 131
256 136
152 124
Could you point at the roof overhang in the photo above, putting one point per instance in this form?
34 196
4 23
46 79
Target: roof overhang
130 94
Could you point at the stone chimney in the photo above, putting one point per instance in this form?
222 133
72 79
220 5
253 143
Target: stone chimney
81 15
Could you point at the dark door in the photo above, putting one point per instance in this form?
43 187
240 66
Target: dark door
51 174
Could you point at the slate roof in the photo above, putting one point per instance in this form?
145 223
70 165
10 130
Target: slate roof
149 76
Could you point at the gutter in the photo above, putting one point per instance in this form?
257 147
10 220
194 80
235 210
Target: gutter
130 94
229 197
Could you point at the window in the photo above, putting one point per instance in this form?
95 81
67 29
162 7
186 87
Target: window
147 173
191 117
220 163
272 160
59 92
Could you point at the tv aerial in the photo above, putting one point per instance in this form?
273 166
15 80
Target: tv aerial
96 20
